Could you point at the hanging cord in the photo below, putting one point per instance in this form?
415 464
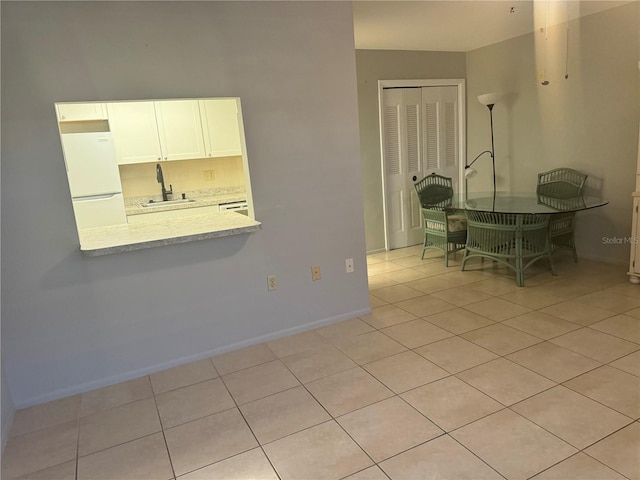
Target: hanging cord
546 44
566 60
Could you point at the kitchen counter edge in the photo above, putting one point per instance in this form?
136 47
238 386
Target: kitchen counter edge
127 237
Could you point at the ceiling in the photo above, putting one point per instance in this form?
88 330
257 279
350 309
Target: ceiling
459 25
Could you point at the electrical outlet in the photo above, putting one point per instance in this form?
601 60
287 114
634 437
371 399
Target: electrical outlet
208 175
272 283
349 265
315 272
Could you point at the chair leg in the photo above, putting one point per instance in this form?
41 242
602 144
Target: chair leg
518 262
519 272
573 249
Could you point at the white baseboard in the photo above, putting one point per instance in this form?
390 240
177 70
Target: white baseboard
104 382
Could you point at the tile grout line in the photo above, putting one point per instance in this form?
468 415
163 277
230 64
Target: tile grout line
362 366
162 429
237 406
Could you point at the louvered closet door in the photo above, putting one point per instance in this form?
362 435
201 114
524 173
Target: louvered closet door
440 135
420 129
403 153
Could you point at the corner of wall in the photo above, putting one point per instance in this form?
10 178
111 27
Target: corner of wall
8 410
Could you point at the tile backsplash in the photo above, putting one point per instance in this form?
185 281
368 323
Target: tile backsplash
139 179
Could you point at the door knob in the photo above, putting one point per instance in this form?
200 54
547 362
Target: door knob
415 178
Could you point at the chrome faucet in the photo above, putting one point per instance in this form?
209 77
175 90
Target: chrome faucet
160 178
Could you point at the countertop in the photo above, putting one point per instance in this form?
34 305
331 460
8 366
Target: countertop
128 237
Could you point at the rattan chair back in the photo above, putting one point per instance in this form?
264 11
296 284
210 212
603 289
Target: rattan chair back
435 194
565 184
561 183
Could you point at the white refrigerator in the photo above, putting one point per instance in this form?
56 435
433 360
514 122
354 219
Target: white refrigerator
94 179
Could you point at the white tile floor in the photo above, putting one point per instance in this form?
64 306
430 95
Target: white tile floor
453 375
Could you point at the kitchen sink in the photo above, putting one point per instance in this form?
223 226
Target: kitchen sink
168 203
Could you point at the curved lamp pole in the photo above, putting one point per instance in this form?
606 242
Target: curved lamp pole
489 100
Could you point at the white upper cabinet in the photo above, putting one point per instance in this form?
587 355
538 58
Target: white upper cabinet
180 129
78 112
135 132
155 131
221 127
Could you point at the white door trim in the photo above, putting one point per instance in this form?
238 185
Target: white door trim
382 84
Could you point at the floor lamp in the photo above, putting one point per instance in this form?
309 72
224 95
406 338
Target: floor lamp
488 99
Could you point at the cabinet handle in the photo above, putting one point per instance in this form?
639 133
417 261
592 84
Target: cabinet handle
166 158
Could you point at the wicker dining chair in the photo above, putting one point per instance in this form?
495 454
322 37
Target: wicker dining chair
516 241
443 229
562 183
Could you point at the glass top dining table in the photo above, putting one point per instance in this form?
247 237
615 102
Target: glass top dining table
523 203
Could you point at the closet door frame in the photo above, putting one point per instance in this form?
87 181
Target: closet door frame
461 114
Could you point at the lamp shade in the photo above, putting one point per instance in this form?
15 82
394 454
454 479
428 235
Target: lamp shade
470 172
489 98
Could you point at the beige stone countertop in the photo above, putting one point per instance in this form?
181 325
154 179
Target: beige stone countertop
123 238
138 209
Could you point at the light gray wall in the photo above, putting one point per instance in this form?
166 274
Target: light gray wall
588 122
374 65
71 323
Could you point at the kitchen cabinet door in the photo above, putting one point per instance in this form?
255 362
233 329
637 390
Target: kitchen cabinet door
135 132
78 112
220 125
180 129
